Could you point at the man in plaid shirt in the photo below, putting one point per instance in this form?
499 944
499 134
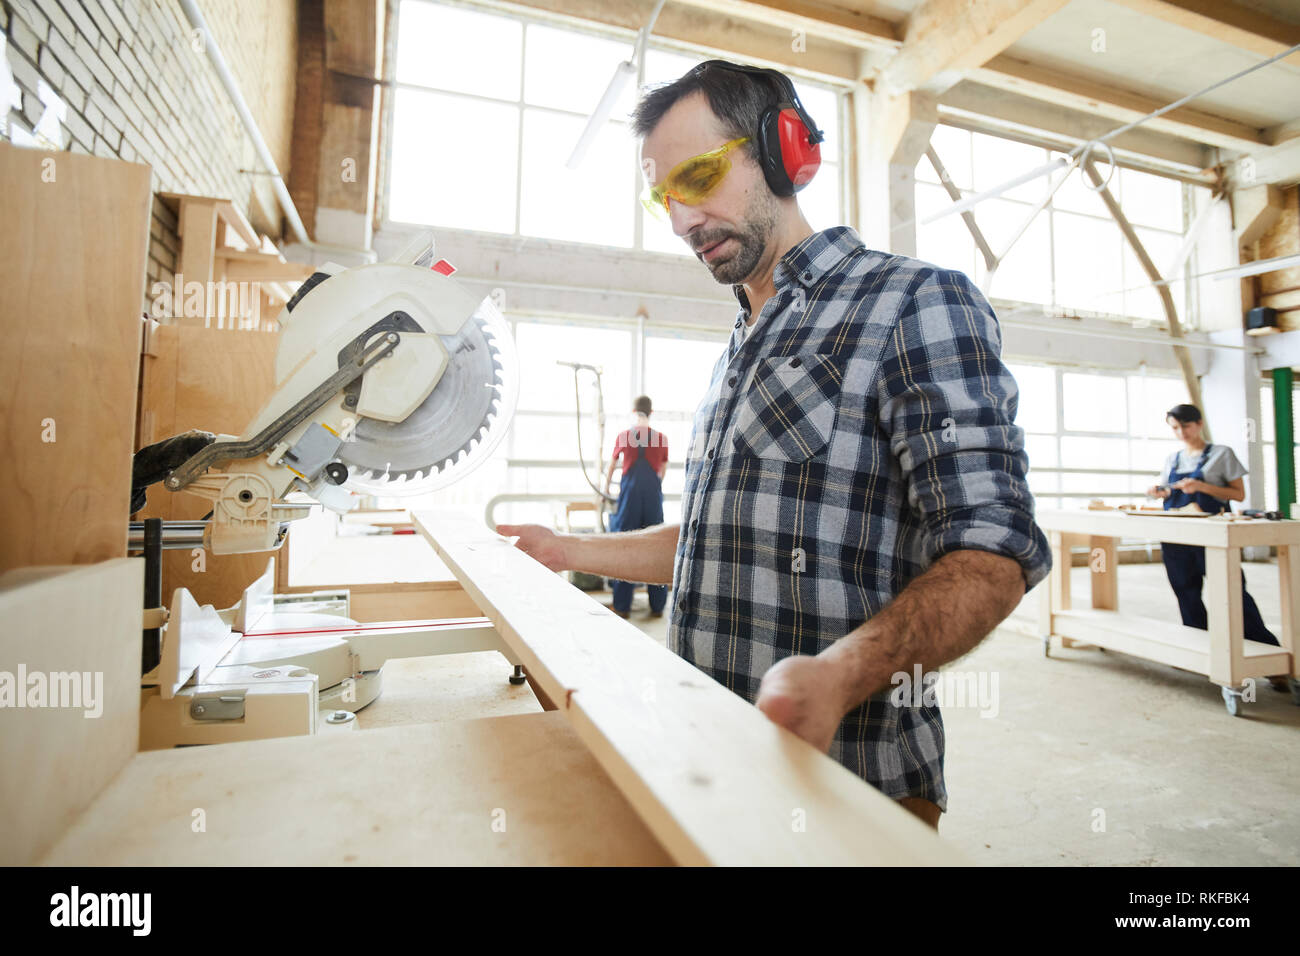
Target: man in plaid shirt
855 500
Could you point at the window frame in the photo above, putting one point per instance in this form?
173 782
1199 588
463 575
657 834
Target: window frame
384 180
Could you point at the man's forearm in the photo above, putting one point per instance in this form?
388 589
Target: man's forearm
645 555
938 617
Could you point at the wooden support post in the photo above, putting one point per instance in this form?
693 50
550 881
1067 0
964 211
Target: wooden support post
1103 564
892 134
1223 602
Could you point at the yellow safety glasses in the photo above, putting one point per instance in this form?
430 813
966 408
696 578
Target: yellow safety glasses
691 180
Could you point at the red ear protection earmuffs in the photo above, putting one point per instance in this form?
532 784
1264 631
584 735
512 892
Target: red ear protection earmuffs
787 137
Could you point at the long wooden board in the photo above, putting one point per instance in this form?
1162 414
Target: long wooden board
712 778
1208 532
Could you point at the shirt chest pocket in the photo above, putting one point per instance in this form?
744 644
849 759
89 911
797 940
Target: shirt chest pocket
788 414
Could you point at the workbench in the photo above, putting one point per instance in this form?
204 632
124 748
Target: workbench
1221 653
643 760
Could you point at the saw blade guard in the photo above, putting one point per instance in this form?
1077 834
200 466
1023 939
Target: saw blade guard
457 426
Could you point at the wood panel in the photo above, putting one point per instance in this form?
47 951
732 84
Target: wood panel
72 256
518 790
711 776
83 620
215 380
1280 289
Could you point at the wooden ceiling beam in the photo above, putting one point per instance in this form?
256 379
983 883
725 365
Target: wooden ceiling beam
1222 20
945 39
705 25
1089 96
862 31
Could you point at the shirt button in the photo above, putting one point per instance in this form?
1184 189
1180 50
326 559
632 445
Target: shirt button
710 453
739 323
695 523
796 362
732 381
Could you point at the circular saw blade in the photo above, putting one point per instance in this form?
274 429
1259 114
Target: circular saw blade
446 425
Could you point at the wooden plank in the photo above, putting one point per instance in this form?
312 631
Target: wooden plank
1213 532
197 227
421 795
1165 642
83 620
711 777
238 224
72 255
266 271
1133 635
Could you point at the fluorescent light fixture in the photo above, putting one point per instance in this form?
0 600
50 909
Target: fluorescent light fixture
623 74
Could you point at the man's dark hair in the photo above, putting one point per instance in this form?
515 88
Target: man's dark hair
1184 414
642 404
737 99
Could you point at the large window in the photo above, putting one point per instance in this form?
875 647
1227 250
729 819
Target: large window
1094 435
488 108
1073 255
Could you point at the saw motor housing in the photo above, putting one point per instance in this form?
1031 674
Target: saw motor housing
390 378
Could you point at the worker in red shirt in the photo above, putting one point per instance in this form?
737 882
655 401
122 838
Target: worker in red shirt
640 495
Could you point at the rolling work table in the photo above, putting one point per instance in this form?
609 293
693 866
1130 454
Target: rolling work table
1221 653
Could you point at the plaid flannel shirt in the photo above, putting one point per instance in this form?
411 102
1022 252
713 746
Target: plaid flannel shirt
862 430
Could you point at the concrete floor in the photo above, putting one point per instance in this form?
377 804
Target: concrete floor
1096 758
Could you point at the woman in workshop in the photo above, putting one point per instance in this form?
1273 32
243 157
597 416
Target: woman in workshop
1209 476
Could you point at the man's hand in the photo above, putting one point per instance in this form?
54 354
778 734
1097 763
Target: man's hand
539 543
803 695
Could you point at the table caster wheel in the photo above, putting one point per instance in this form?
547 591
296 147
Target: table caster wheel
1232 701
1295 690
518 677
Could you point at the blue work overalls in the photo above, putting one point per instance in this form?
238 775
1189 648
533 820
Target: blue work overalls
640 505
1185 563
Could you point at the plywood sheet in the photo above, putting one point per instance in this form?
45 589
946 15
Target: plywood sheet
83 620
215 380
516 790
72 256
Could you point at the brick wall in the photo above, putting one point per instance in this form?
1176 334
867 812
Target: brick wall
139 87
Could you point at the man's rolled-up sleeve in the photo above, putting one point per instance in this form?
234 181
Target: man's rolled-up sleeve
948 404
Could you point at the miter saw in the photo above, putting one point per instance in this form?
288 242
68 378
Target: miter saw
391 378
